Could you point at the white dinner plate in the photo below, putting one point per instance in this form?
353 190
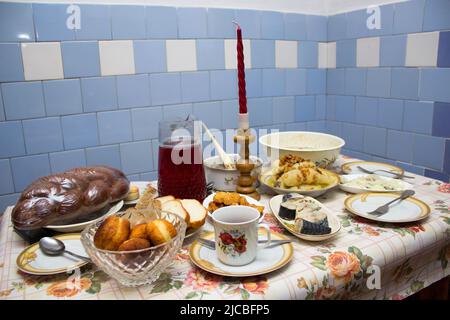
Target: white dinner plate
408 210
142 185
352 167
402 185
333 221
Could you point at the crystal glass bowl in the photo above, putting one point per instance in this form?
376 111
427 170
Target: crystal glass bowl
138 267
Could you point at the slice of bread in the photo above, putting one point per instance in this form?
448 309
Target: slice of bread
158 202
197 212
175 206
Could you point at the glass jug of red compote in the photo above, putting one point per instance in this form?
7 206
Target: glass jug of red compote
180 166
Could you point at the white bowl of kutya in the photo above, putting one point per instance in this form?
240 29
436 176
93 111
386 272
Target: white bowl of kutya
321 148
226 179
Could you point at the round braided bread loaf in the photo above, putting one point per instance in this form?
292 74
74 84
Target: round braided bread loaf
70 195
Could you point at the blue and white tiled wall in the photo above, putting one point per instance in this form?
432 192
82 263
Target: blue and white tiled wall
95 95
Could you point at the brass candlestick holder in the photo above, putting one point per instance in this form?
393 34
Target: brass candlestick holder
245 165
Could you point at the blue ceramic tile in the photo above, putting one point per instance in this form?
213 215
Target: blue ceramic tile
6 183
337 27
149 176
296 126
66 160
345 108
260 110
444 50
133 177
209 113
355 81
27 169
390 113
378 82
145 122
336 81
273 82
12 142
43 135
11 67
331 107
177 112
441 117
50 22
133 91
316 28
353 135
295 81
150 56
2 110
375 141
128 22
8 200
219 23
366 110
387 21
161 22
321 107
437 175
294 26
410 168
136 157
316 126
223 84
229 118
436 15
23 100
307 54
334 128
250 22
192 23
283 109
429 151
405 83
357 24
272 25
253 83
105 155
408 16
346 53
382 159
16 22
305 108
210 54
95 23
418 116
356 154
400 145
62 97
263 53
80 59
392 51
80 131
99 94
194 86
316 81
165 88
114 126
434 84
447 156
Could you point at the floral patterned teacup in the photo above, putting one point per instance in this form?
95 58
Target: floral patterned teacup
236 229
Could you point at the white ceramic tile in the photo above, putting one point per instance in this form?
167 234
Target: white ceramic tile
368 52
231 53
181 55
42 61
286 54
422 49
323 55
331 55
116 57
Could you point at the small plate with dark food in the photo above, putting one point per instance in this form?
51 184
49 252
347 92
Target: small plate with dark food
305 217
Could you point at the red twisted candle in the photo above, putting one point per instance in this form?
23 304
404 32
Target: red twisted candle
241 72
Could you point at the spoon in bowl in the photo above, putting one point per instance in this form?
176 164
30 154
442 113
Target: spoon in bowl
55 247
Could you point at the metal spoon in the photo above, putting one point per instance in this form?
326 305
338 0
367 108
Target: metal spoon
385 208
55 247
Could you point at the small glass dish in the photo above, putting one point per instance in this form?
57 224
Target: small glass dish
138 267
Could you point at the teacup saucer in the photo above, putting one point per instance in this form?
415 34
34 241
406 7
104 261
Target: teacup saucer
267 260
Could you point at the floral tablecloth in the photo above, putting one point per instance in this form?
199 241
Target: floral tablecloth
409 258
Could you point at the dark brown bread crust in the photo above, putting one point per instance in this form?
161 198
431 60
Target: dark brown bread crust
69 195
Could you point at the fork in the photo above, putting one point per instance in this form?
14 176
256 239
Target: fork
212 244
385 208
398 175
